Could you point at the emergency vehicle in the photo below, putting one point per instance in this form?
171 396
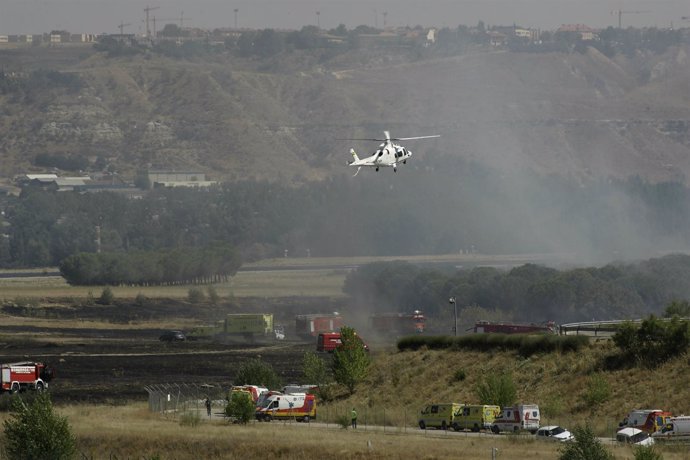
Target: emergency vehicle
438 415
22 376
517 418
298 406
396 324
475 417
329 341
649 420
675 428
309 326
253 391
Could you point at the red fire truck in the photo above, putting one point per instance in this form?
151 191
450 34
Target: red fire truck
22 376
514 328
308 326
398 323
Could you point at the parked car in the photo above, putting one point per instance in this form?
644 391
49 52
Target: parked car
554 433
634 436
172 336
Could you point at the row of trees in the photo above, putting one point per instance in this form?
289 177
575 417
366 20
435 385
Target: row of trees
211 264
526 293
472 208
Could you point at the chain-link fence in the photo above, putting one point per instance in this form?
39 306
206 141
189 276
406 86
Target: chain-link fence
177 398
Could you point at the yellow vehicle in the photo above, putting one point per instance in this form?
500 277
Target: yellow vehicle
438 415
474 417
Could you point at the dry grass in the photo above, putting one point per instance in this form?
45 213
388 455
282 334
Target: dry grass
133 432
283 283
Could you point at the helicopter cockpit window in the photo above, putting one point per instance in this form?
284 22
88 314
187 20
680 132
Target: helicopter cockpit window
379 153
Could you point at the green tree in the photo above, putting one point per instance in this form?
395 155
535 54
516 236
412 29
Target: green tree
585 447
195 295
497 389
240 407
316 372
34 431
107 297
679 308
257 372
350 360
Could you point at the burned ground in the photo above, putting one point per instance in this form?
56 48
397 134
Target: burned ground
115 364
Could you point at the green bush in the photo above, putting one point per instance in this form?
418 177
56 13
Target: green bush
240 407
585 447
597 391
647 453
497 389
107 297
653 342
195 295
34 431
257 372
459 375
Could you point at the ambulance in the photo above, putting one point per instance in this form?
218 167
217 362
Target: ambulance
297 406
438 415
518 418
475 417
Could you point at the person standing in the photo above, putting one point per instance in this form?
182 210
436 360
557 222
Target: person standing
208 407
353 416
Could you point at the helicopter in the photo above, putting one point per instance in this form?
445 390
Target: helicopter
388 154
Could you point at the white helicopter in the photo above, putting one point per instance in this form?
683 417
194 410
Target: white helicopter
388 153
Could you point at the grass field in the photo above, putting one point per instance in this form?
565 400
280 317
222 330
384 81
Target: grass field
133 432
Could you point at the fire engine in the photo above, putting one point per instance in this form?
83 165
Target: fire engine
22 376
398 323
309 326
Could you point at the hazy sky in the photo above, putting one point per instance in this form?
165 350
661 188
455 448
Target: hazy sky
104 16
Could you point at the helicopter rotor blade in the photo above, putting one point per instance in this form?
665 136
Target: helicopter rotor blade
412 138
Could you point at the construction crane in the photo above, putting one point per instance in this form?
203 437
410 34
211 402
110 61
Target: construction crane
122 26
620 14
147 10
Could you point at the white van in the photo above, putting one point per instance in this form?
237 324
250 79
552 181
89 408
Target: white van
521 417
634 436
675 428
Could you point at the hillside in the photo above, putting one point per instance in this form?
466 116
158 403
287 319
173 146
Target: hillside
579 115
403 382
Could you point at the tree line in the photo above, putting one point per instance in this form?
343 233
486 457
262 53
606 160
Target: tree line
205 265
528 293
474 210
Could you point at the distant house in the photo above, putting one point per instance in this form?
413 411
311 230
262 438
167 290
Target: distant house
497 38
159 178
585 32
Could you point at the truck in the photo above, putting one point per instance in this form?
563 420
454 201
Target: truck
487 327
298 406
25 375
253 391
518 418
310 326
439 416
397 324
247 325
329 341
648 420
675 428
475 417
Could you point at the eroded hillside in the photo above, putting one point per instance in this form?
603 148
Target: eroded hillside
580 115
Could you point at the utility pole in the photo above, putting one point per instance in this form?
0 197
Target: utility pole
455 315
385 14
147 10
235 11
318 19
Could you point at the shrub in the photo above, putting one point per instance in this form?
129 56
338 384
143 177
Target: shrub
213 296
107 297
585 447
497 389
240 407
652 342
647 453
343 421
459 375
195 295
35 431
598 390
257 372
141 300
